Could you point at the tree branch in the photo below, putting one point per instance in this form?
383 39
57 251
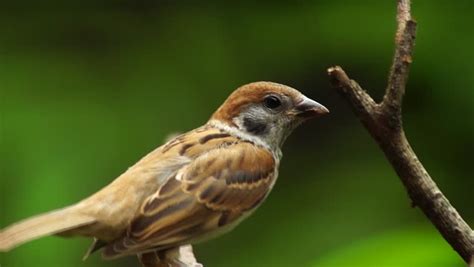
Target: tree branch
402 58
384 123
182 256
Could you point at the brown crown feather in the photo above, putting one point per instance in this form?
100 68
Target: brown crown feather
248 94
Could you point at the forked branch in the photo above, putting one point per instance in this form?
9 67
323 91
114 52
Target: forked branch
384 122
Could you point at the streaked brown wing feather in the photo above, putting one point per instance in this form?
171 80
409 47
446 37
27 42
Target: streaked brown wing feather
227 179
235 180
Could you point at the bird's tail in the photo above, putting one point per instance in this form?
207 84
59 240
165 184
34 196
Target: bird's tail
50 223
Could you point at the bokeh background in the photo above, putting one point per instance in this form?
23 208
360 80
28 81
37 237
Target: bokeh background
89 87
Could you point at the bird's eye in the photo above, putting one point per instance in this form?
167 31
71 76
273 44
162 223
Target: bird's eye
272 102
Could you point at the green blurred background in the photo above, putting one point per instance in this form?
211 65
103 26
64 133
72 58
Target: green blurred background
88 87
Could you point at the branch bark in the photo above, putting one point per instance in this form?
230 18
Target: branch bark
182 256
384 122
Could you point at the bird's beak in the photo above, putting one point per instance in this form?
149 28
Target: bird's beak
308 108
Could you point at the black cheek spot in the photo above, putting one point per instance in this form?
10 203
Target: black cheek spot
254 126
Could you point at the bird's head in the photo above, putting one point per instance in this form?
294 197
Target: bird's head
268 111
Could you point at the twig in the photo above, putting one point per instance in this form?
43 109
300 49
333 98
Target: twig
384 122
182 256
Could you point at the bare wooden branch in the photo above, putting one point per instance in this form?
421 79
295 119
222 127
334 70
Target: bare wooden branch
182 256
402 58
384 123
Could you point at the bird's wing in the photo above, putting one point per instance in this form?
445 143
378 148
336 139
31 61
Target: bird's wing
210 193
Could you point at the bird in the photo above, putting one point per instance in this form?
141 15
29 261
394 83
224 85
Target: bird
194 187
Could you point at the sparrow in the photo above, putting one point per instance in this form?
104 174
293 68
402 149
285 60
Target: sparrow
194 187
